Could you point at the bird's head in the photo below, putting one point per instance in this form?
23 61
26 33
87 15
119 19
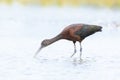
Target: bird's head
44 43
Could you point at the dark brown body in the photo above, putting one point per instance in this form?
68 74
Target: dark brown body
69 32
74 32
77 32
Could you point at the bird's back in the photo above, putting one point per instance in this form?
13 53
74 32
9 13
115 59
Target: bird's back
77 32
85 30
69 32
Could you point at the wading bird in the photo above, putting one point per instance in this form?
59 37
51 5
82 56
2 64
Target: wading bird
73 32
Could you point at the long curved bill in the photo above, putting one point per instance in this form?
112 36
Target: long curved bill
38 51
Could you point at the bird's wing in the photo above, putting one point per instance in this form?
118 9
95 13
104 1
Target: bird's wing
82 32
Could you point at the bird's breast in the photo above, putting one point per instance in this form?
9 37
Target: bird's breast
70 35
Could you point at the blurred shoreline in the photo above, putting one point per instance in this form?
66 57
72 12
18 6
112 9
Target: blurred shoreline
65 3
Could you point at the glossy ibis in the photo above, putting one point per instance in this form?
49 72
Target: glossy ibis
73 32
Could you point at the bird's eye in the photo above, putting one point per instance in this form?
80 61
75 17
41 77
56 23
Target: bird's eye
44 43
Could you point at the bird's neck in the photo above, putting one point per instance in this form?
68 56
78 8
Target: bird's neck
54 39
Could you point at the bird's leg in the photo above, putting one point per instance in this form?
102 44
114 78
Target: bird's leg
74 49
80 51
